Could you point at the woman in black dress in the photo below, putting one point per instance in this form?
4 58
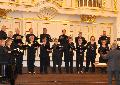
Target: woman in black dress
31 51
91 54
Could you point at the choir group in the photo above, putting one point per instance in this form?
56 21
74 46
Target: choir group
12 51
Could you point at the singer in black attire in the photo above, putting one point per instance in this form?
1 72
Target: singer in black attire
17 41
80 49
69 58
44 52
30 34
91 54
102 50
48 40
56 56
11 75
63 39
104 37
31 50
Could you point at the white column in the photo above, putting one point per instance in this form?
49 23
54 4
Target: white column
118 28
118 21
83 2
96 3
73 3
87 2
78 3
68 3
92 3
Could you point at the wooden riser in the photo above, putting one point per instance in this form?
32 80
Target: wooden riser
62 83
62 79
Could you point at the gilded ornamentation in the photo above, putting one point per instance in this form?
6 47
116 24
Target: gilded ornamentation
88 18
47 13
115 6
103 4
3 12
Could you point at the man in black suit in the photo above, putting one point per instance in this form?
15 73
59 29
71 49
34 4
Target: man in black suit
45 35
48 40
17 40
80 37
63 39
3 34
80 47
4 61
30 34
113 64
104 37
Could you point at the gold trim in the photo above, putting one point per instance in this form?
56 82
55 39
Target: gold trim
103 5
88 18
63 21
115 6
3 12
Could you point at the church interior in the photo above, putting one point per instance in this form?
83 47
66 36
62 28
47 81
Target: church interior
91 17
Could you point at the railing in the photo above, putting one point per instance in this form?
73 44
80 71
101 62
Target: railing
103 4
90 3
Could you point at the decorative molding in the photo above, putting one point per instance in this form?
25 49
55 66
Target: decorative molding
3 12
115 6
88 18
47 13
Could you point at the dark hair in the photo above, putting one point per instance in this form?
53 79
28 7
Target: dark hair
55 39
44 28
43 39
91 37
30 29
79 39
70 37
64 29
80 32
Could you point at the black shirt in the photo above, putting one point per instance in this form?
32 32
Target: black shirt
43 51
83 40
17 38
80 49
63 39
104 38
3 35
27 37
91 49
103 50
3 55
47 36
31 50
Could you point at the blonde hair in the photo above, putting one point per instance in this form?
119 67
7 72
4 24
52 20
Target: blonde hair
55 39
7 42
114 45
